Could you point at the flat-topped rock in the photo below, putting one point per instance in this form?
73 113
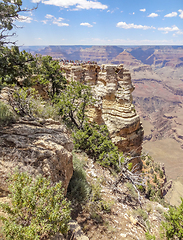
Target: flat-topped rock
112 88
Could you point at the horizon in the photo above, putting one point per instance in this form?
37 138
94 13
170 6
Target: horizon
105 45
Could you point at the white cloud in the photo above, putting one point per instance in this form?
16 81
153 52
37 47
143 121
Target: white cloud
24 19
132 25
36 1
49 16
54 20
169 29
181 13
142 10
153 15
59 23
133 13
44 21
86 24
79 4
178 33
172 14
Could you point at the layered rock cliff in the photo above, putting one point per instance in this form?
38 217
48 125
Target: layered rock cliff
112 88
37 147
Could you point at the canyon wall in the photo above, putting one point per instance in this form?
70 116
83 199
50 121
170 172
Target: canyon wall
112 88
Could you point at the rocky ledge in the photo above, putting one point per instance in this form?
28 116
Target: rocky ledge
37 147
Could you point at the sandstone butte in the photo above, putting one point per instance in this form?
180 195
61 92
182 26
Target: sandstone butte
112 88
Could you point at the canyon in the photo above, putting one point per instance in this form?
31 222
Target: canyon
157 74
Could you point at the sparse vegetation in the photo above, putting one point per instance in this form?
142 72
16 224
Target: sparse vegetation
6 116
131 189
149 207
79 189
38 209
27 102
141 213
149 236
172 227
87 195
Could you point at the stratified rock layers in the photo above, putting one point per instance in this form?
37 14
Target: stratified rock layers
112 88
42 147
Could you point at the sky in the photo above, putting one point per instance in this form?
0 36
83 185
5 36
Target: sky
101 22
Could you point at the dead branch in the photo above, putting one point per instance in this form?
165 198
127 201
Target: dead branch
133 176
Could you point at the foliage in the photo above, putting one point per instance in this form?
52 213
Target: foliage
88 137
38 209
161 174
140 212
149 236
73 103
96 204
27 102
6 116
155 179
16 66
9 12
131 189
172 228
87 195
149 208
49 73
130 166
95 141
78 188
24 101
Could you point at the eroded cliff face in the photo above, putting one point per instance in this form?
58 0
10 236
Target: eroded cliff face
37 147
112 88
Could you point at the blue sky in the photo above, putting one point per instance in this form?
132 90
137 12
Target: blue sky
102 22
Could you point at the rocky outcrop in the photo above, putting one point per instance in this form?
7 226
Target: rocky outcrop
37 147
112 88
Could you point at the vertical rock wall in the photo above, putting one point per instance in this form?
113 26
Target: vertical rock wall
112 88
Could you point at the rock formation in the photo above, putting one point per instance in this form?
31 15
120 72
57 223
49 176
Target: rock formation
112 88
38 148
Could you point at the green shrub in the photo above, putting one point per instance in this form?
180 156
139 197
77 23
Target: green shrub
149 208
73 104
78 188
161 174
28 102
24 101
94 140
172 228
130 166
6 116
140 212
38 209
155 179
131 189
149 236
